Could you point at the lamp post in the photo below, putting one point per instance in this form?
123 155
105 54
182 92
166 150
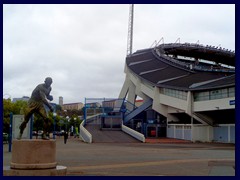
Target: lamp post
54 124
10 133
75 127
67 122
6 94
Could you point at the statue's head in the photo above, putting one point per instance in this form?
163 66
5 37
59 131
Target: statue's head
48 81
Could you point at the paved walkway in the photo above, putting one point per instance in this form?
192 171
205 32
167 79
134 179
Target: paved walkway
166 140
142 159
109 136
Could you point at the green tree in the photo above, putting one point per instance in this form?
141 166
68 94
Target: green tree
58 108
19 107
37 123
7 109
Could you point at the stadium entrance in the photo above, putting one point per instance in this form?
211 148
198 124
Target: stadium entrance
150 123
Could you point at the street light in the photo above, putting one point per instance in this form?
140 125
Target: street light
75 127
54 124
6 94
67 122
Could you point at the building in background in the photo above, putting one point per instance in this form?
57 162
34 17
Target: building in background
109 103
24 98
60 100
72 106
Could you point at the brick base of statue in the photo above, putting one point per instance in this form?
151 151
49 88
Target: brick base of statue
34 158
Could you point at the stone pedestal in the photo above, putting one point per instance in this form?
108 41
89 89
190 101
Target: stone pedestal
34 158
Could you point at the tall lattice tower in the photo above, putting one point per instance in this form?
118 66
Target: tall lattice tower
130 30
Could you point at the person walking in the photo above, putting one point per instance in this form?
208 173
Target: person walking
36 104
65 137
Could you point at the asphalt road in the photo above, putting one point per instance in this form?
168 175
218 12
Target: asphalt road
142 159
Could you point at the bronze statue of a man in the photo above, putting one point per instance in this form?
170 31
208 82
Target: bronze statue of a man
36 104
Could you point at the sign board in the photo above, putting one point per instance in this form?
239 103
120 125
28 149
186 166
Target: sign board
87 105
16 122
232 102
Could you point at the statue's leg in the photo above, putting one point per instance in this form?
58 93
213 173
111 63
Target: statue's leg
46 121
46 125
30 110
27 116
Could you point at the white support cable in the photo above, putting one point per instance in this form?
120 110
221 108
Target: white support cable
177 41
160 41
155 42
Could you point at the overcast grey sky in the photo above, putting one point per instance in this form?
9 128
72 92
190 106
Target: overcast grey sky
83 47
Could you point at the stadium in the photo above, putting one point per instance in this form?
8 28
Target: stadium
188 92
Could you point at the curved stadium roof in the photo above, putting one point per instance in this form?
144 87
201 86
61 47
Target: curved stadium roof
181 66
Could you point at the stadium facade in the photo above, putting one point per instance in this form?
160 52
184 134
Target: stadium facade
188 92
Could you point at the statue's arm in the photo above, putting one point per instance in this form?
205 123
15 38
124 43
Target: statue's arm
43 97
48 96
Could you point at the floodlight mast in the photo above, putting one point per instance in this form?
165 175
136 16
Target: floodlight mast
130 30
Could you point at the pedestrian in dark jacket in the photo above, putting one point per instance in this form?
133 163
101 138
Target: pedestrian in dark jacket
65 137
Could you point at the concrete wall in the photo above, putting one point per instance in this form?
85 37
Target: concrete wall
173 102
179 131
133 133
215 104
84 134
203 133
224 133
